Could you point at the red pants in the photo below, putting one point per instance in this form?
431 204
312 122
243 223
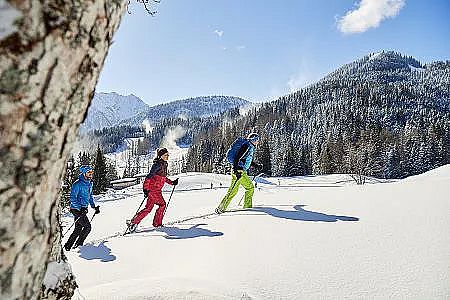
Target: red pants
154 197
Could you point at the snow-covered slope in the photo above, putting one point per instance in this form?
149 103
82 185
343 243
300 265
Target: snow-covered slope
108 109
315 237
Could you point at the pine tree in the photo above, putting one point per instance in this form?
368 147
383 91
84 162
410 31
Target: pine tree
100 173
84 158
111 173
128 172
69 178
263 157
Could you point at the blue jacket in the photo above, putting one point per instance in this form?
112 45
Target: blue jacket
245 156
81 193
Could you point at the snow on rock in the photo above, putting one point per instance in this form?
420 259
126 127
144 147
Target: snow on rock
56 273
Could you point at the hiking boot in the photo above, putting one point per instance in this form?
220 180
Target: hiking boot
219 211
132 227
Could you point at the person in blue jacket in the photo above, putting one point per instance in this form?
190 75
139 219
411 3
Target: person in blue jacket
242 162
80 198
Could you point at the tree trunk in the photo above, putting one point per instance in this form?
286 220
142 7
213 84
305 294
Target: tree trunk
51 54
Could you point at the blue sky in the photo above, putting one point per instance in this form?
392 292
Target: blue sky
259 50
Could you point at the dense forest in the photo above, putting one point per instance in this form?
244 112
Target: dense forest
385 115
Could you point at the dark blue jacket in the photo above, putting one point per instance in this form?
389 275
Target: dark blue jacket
81 193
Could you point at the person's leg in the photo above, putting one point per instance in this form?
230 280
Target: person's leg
159 215
84 221
147 209
232 191
249 189
77 230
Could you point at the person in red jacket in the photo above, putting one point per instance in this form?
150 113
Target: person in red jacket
153 185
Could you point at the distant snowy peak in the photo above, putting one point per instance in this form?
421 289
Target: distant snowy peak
188 108
108 109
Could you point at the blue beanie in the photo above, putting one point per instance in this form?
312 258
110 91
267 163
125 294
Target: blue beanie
84 169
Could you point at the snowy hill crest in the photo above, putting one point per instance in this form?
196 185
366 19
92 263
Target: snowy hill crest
112 109
197 107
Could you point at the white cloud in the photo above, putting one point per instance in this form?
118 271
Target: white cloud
369 14
218 32
304 77
239 48
298 81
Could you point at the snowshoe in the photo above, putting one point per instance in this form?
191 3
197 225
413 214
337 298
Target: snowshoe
219 211
66 247
131 227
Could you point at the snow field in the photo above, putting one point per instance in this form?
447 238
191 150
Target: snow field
310 237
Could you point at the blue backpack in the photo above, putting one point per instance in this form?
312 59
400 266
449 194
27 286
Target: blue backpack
234 149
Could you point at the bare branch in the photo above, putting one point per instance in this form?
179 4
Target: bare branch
147 6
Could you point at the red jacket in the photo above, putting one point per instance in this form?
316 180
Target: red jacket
155 180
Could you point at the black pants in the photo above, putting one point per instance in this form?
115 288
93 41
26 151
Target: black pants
81 231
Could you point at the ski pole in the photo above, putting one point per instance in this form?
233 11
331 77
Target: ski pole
71 226
128 227
139 206
90 221
170 197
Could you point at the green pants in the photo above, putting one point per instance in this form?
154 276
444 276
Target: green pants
234 187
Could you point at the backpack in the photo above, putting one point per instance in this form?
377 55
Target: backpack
234 149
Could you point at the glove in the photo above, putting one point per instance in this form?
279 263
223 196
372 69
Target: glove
237 174
145 193
175 182
84 210
97 209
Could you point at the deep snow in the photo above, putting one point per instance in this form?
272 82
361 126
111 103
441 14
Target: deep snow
306 237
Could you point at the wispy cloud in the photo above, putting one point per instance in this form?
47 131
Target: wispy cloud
298 81
218 32
369 14
239 48
304 77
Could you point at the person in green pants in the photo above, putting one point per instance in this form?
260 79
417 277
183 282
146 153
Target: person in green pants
242 159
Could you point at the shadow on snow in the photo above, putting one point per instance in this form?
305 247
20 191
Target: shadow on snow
301 214
101 252
176 233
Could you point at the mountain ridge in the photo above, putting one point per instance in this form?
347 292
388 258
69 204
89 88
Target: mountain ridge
113 109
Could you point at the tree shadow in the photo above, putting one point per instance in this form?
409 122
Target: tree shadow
176 233
101 252
263 181
301 214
